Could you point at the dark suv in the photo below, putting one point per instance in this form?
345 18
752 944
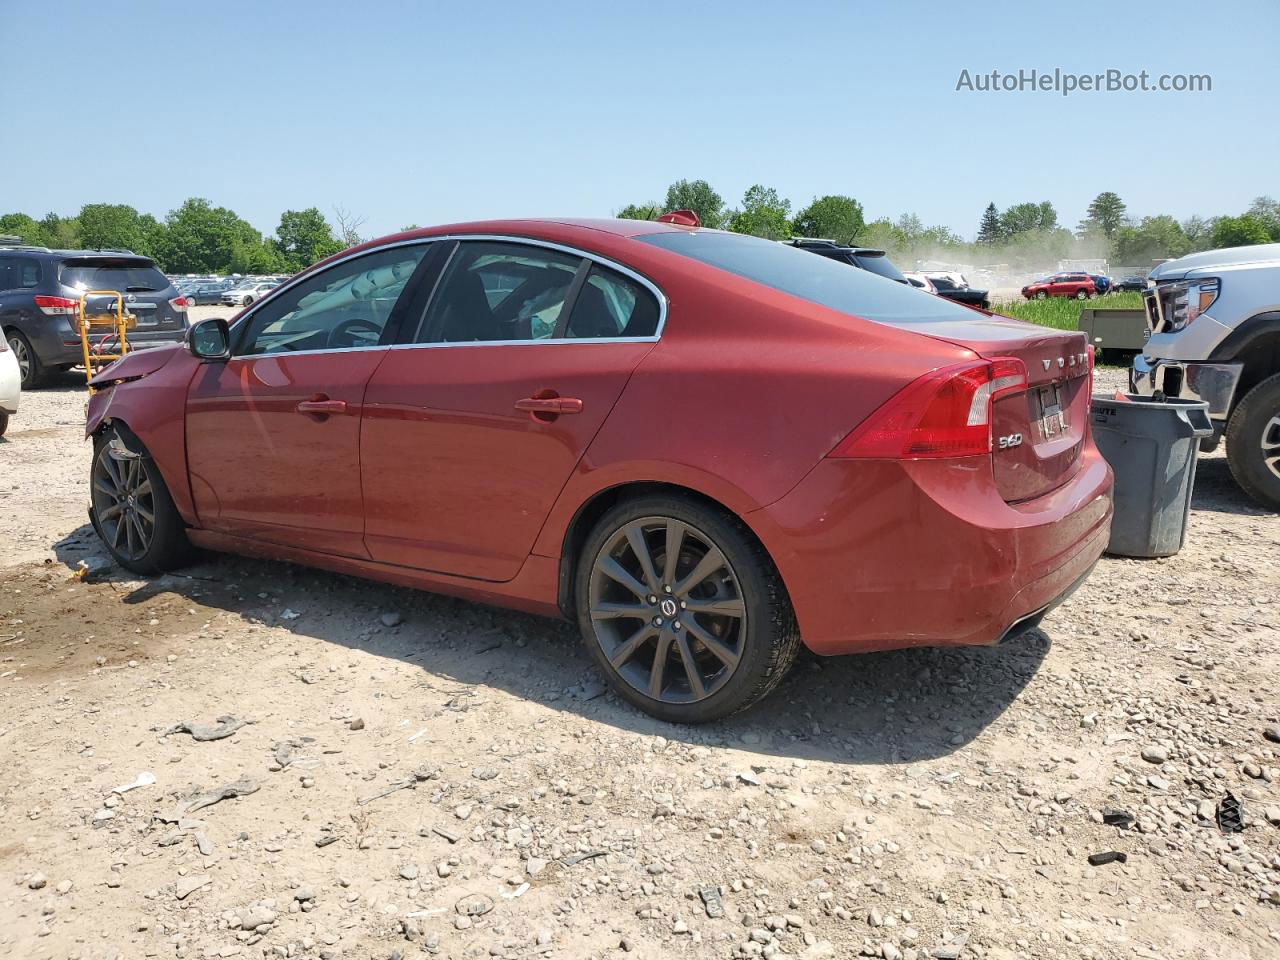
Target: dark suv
864 257
40 291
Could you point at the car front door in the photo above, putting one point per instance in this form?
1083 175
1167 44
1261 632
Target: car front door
473 427
273 434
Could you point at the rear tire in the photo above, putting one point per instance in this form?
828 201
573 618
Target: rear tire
132 510
29 365
1082 294
1253 443
729 634
4 423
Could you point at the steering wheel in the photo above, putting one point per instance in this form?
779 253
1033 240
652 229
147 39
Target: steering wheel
341 334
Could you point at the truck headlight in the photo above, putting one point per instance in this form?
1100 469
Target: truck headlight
1189 299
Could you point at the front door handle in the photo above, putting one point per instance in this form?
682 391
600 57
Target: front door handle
322 406
552 406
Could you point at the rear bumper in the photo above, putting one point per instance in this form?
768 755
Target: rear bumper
879 555
1214 383
57 343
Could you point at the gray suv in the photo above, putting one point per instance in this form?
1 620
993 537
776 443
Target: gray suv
40 291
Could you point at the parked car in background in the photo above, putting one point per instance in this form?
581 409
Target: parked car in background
1133 283
947 286
1078 285
1215 336
203 294
244 294
568 418
921 281
1101 283
40 292
10 385
865 258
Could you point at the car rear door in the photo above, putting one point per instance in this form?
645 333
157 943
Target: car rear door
273 434
474 425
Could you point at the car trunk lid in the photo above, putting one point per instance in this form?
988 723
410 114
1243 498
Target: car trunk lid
1037 434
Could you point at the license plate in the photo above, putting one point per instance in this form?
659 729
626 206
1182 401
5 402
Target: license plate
1053 419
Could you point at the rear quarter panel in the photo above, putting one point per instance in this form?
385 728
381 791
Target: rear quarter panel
746 391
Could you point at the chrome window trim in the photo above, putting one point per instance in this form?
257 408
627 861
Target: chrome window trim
499 238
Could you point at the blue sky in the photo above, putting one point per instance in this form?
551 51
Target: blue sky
431 113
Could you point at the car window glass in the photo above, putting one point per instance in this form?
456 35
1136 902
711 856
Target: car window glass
7 273
26 274
493 291
345 306
612 305
128 276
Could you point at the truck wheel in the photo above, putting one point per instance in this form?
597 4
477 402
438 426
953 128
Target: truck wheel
1253 443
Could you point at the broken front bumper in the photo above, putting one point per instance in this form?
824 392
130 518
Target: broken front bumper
1214 383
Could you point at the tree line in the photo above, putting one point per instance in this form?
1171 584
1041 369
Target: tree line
1024 234
197 237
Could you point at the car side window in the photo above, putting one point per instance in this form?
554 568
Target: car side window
26 274
494 291
8 274
612 305
345 306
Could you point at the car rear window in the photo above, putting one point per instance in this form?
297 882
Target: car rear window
130 276
878 263
819 280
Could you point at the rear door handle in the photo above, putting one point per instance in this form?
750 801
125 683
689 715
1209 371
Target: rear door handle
322 406
550 405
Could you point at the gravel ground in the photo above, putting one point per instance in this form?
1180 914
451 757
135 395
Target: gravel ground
419 776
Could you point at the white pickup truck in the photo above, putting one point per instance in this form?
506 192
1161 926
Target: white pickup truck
1215 336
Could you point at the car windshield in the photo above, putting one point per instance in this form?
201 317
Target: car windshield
137 276
819 280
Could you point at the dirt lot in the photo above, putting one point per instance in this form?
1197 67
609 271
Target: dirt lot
915 804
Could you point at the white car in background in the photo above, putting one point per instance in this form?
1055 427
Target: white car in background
921 281
10 384
245 294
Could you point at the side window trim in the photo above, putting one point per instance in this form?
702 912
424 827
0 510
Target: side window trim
409 333
390 332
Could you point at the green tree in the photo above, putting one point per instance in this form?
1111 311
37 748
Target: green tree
763 214
639 211
1267 212
1199 233
1026 217
23 227
200 238
834 217
1105 215
1241 231
303 238
118 226
61 233
1154 238
989 229
696 195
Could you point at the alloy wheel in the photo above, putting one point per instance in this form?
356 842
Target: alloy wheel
1271 445
23 356
123 501
667 610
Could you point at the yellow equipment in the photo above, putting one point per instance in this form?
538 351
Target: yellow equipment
97 355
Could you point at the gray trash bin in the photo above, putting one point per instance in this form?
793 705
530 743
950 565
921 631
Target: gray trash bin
1152 445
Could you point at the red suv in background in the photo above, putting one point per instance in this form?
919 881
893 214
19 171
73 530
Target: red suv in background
1078 285
705 448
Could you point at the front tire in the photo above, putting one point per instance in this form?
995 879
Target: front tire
132 511
4 423
1253 443
1041 295
682 610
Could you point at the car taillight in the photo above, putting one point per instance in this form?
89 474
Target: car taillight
180 304
56 306
945 413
